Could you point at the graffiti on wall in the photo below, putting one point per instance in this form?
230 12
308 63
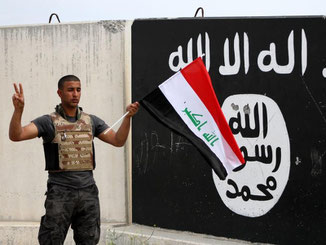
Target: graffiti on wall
265 59
269 76
260 131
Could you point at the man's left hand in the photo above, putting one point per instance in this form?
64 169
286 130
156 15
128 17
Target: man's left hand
133 109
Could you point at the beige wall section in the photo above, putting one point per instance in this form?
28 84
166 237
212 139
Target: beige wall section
37 56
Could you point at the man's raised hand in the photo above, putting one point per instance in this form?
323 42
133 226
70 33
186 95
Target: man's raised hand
18 97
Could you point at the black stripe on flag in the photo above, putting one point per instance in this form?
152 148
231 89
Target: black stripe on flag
161 109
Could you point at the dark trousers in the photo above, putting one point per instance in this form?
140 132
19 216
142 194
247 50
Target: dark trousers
66 206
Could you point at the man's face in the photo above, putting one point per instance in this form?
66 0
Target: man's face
70 94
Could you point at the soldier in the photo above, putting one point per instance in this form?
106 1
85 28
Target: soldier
72 195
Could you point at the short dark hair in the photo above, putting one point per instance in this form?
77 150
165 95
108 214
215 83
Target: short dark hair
67 78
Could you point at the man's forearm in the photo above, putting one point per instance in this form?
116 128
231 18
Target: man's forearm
15 127
119 138
123 132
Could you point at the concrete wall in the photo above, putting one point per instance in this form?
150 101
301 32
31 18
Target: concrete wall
37 56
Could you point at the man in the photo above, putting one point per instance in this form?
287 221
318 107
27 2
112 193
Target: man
72 195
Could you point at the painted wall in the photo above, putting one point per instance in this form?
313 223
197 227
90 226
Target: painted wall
269 77
37 56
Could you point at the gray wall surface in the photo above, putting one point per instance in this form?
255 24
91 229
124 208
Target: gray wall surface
37 56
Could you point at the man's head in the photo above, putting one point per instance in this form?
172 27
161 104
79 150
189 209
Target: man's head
69 90
67 78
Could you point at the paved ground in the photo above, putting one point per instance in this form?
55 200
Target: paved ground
138 234
25 233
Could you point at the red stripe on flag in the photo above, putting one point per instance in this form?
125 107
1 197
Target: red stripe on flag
198 78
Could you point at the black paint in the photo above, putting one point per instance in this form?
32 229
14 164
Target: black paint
172 184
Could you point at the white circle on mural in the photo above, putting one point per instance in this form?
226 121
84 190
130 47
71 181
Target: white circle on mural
259 128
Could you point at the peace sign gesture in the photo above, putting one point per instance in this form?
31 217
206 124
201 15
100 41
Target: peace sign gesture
18 97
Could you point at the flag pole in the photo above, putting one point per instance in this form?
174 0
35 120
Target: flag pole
116 122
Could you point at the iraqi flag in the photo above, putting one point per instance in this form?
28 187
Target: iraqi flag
187 104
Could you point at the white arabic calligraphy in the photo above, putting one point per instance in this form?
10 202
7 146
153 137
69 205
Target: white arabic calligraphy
178 55
266 59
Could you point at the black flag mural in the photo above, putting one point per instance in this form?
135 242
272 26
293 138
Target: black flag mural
269 75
